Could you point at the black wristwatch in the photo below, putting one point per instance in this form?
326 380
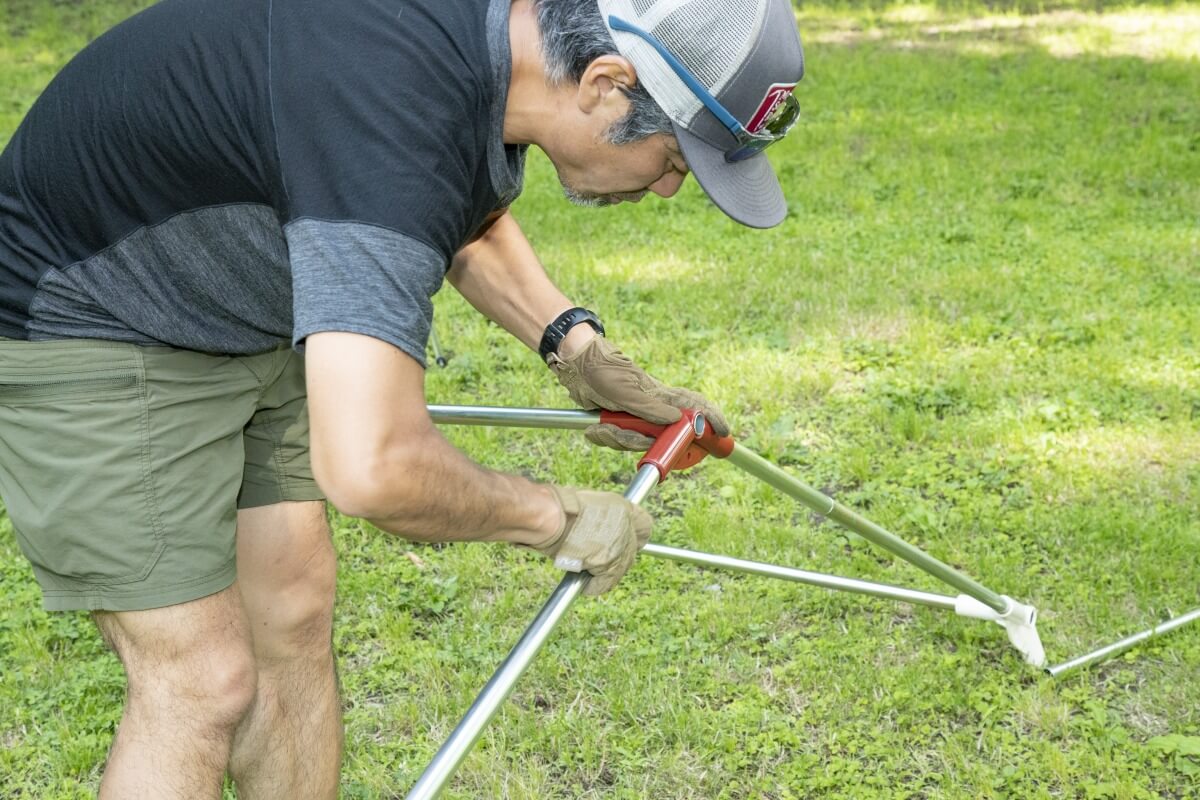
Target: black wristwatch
557 330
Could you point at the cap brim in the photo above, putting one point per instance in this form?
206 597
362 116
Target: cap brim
747 191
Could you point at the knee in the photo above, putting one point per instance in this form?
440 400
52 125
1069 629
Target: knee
306 625
209 691
287 573
229 690
300 621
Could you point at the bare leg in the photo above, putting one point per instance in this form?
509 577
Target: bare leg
190 672
290 744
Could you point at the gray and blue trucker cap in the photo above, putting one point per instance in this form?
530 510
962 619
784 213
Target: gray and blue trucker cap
747 53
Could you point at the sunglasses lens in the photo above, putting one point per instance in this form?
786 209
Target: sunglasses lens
775 128
782 118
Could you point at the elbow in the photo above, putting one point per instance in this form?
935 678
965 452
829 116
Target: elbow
355 496
355 493
371 484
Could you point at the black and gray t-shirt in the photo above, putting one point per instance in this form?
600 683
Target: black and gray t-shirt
233 175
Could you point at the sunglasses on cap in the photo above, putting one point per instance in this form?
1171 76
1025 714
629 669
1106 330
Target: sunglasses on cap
774 127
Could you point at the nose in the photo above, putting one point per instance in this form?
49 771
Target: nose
668 185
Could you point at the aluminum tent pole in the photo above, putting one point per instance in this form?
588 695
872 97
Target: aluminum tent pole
558 418
567 419
977 601
1018 619
672 449
1118 647
753 464
802 576
451 754
764 470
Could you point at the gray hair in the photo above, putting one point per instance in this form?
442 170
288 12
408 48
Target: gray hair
573 36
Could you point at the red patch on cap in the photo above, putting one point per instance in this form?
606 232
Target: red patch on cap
775 96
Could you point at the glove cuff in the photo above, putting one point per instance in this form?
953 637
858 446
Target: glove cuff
569 372
568 501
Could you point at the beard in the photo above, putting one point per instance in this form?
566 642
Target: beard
585 199
589 200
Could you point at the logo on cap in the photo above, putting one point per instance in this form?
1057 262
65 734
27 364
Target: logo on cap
776 95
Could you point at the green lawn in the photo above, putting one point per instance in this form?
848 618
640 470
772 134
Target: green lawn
979 326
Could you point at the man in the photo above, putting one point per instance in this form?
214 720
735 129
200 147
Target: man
220 230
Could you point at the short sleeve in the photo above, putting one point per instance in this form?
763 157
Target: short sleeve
381 115
356 278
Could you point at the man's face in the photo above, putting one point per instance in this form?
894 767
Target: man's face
606 174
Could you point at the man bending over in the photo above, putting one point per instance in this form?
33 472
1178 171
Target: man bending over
220 229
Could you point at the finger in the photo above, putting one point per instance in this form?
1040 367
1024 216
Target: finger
652 410
601 374
620 385
632 440
621 390
686 398
643 524
607 435
608 576
597 585
714 417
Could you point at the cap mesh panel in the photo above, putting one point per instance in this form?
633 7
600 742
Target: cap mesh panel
709 37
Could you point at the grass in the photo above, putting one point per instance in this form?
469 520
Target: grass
978 326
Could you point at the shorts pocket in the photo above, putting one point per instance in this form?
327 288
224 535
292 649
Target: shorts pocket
31 389
75 461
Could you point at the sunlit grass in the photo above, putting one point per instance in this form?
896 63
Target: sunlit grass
978 326
1148 32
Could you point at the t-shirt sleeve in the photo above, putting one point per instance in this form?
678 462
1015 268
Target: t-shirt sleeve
347 276
381 159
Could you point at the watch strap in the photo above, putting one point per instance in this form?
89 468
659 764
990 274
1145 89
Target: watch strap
557 330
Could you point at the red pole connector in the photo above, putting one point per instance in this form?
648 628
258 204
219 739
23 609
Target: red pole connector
679 445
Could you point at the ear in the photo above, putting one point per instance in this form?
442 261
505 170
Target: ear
604 82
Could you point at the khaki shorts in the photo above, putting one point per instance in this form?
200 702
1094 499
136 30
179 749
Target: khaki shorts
123 467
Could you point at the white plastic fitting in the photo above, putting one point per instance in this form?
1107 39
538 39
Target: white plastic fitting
1017 619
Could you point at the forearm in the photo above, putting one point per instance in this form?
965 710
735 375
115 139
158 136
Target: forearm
431 492
377 454
501 276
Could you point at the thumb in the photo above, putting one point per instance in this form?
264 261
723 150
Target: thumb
607 435
686 398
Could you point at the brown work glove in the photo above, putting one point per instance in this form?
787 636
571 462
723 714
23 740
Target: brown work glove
602 533
599 375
